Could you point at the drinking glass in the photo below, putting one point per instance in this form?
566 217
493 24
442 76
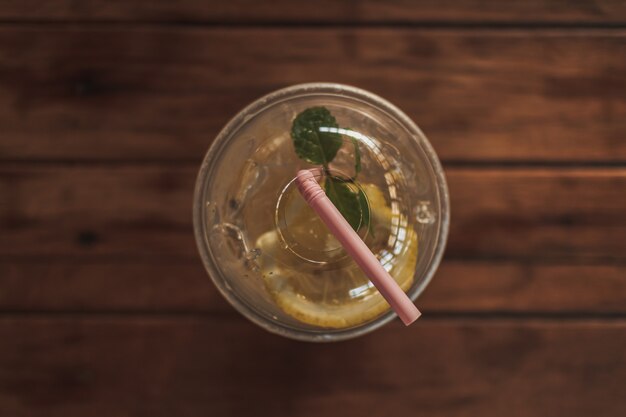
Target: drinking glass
267 253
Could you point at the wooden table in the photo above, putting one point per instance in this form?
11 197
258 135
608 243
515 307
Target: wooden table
106 109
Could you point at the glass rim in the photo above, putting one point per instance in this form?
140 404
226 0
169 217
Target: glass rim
226 134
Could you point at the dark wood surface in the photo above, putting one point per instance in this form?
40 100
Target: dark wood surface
327 11
107 107
103 366
490 95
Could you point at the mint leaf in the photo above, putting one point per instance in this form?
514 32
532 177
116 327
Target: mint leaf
312 141
316 140
352 205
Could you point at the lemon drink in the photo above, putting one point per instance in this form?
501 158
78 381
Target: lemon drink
267 252
301 265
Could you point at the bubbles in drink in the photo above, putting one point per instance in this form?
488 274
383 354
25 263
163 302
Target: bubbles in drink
424 213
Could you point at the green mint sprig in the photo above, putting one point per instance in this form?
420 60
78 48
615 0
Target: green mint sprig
313 138
317 139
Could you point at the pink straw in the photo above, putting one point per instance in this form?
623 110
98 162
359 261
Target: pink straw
356 248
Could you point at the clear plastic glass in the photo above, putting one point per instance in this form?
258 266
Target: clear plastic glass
268 255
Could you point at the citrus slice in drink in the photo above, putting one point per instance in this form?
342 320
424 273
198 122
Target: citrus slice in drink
337 297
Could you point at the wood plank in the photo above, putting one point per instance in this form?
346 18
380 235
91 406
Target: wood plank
129 211
200 367
108 286
570 213
458 287
331 11
88 93
517 287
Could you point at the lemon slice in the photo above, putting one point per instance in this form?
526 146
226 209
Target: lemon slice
381 212
333 299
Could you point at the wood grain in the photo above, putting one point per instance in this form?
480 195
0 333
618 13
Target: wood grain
330 11
106 108
199 367
537 213
458 287
131 212
110 93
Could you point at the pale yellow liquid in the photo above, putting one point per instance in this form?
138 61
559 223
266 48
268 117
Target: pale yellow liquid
302 266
